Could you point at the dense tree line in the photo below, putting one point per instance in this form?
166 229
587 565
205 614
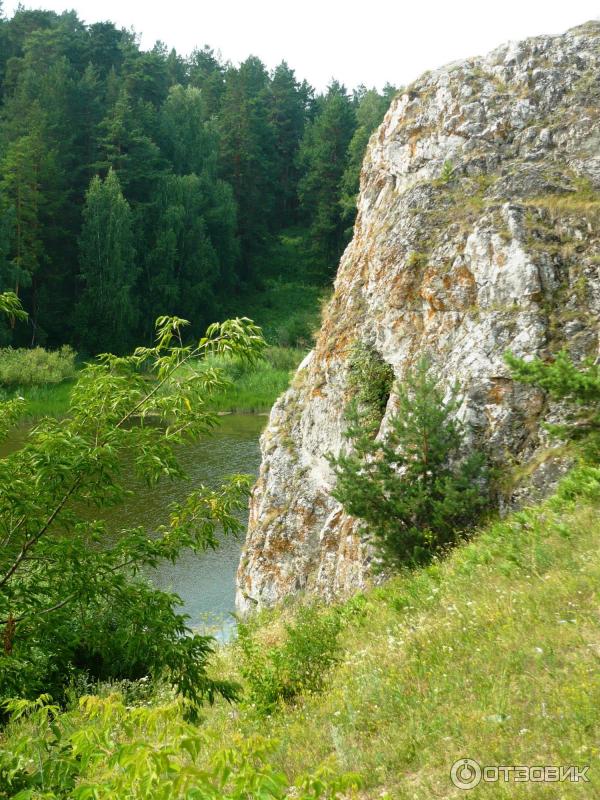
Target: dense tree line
135 183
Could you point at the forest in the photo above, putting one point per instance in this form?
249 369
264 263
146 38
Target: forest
138 183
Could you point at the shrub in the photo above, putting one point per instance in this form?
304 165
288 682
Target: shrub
36 366
283 358
414 489
281 673
579 386
447 172
105 750
253 388
70 596
371 379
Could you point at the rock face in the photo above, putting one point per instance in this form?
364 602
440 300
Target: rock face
477 232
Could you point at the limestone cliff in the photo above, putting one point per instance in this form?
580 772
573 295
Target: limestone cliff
497 250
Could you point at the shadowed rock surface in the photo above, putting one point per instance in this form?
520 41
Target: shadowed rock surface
477 232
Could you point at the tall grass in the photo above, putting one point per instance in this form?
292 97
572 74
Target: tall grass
47 401
51 400
490 655
254 388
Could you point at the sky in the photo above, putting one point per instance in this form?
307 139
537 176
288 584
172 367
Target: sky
356 41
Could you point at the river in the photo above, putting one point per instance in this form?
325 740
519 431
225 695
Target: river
205 583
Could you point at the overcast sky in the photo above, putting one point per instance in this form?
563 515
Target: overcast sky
356 41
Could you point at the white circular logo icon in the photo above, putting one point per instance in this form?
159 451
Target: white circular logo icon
465 773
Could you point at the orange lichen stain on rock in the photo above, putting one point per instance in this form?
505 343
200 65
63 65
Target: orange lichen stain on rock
278 546
460 285
403 288
413 140
434 301
463 277
498 390
330 537
409 320
274 513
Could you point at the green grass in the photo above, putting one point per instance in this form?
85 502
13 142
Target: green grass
255 388
50 400
492 654
288 311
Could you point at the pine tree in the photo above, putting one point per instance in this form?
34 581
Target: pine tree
287 113
578 385
247 156
106 313
323 159
412 487
207 74
22 172
128 146
370 109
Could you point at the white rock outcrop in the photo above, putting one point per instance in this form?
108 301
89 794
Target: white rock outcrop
504 255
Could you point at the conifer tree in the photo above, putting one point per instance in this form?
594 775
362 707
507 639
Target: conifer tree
370 109
287 114
577 384
413 486
323 158
106 312
247 156
21 174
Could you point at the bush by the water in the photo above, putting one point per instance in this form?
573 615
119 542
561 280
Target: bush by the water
35 366
71 602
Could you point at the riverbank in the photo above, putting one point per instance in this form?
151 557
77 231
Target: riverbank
49 400
253 388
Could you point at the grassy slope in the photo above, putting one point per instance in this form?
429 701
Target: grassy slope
492 654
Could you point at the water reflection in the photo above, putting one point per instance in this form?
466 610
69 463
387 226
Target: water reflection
206 583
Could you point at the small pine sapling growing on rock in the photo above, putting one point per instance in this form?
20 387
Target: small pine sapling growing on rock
579 386
414 489
447 172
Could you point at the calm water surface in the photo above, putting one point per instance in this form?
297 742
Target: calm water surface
206 583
